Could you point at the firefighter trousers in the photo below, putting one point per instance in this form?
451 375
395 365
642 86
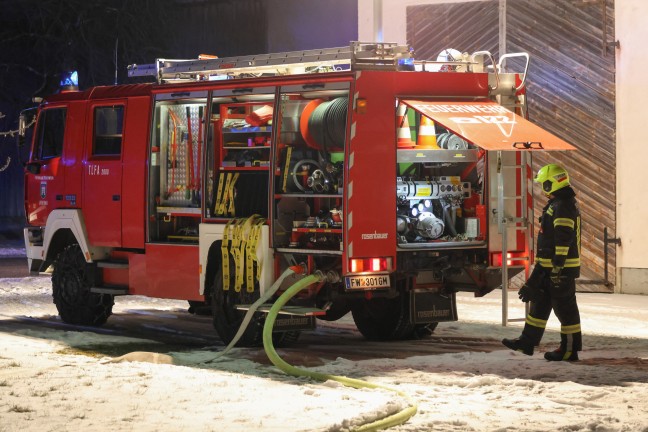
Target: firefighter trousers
562 300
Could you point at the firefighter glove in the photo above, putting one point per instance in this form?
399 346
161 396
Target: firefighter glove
530 293
556 277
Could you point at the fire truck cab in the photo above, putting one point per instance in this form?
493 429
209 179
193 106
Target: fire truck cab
402 181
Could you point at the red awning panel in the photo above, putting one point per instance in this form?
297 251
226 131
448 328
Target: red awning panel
489 125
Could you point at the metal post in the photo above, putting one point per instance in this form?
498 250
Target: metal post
501 222
504 274
502 27
529 218
377 20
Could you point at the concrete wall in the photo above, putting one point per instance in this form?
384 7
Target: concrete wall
632 145
394 27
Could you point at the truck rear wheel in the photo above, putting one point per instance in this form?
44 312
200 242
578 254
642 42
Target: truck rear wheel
423 330
228 319
71 283
383 318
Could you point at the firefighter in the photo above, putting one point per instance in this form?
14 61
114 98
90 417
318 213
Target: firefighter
552 285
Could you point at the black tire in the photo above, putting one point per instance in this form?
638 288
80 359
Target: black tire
199 308
336 311
228 319
423 330
383 319
71 283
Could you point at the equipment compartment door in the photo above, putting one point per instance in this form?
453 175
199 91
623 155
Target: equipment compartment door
102 174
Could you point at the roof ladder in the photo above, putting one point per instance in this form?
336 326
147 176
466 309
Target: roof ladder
512 222
357 56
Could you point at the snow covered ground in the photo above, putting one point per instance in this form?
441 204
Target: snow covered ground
52 379
11 248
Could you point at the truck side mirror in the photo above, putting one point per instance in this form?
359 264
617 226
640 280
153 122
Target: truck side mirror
26 129
22 122
33 167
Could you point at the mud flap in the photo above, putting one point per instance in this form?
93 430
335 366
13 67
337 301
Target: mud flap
285 323
431 307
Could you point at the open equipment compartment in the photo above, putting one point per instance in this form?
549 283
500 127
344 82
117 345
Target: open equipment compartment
309 168
177 144
440 186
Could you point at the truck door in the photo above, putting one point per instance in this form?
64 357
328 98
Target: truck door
102 174
45 172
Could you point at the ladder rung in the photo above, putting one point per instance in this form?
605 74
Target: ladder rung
516 220
513 197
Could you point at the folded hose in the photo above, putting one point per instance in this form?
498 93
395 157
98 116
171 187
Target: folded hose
389 421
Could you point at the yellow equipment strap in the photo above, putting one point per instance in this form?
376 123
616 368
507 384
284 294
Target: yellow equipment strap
225 257
230 195
219 193
223 198
240 240
236 254
286 169
245 251
242 249
259 228
251 252
243 271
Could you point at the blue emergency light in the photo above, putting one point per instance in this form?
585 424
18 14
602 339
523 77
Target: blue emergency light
69 80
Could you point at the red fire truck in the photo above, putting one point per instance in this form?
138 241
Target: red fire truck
403 181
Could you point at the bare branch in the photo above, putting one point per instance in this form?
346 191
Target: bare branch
6 165
11 133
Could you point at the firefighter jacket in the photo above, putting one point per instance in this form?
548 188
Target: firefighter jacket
559 239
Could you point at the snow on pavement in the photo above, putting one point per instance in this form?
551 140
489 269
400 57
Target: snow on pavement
48 381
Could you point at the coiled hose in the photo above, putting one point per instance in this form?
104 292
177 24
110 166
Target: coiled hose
384 423
327 123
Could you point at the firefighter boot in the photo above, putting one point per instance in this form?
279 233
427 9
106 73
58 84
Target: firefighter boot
561 355
531 335
569 347
521 344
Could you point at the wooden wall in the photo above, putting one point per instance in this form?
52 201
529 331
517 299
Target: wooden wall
570 86
467 27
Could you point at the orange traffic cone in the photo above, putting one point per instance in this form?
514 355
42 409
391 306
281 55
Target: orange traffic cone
404 139
427 134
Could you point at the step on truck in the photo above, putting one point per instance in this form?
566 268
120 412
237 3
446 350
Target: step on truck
403 181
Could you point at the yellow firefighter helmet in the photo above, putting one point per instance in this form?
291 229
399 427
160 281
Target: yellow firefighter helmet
552 177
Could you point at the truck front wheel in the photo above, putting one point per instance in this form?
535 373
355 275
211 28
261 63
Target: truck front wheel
228 319
71 283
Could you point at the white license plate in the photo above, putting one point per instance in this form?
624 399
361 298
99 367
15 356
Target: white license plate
367 282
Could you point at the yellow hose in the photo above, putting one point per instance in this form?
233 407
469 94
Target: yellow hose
248 315
384 423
